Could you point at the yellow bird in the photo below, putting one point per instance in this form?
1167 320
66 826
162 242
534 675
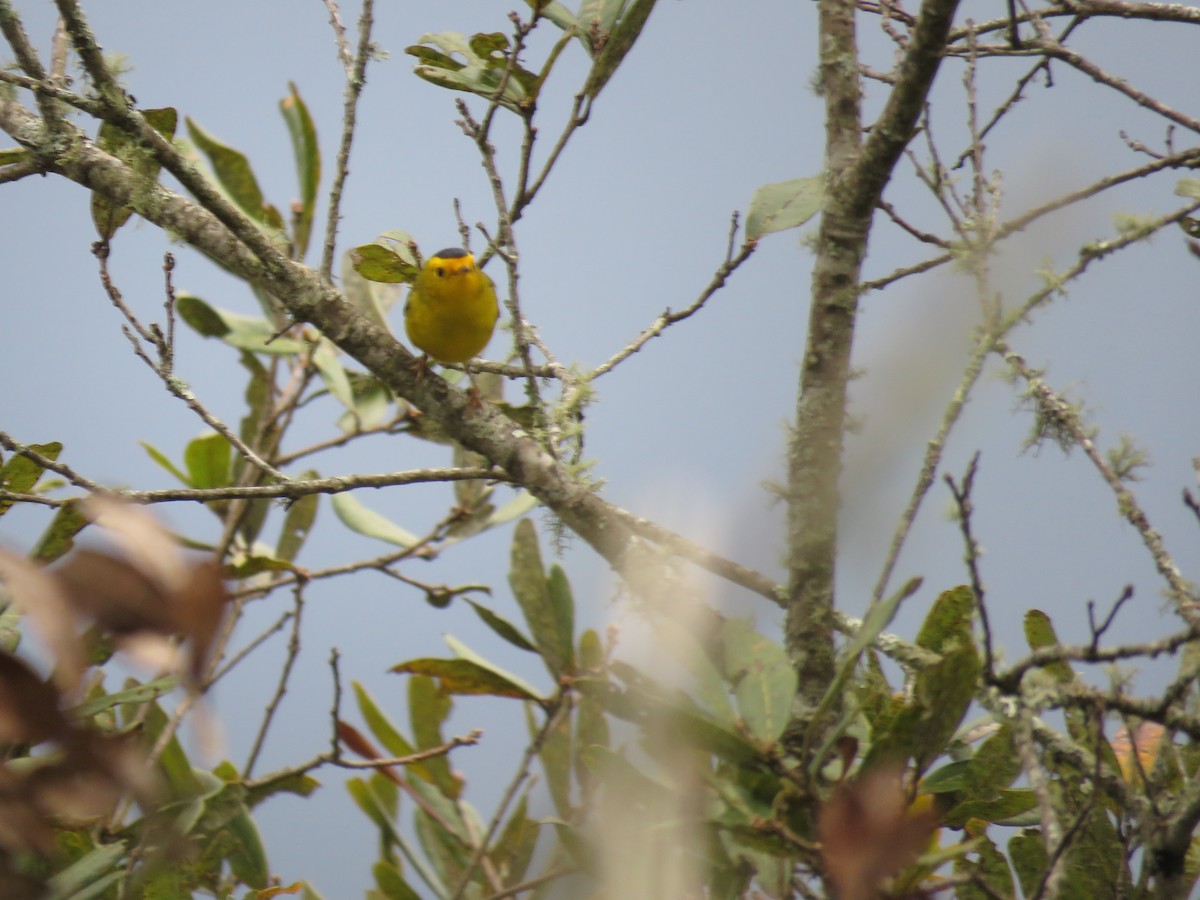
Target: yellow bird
451 311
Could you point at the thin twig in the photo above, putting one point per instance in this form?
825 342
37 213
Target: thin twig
293 652
355 81
962 499
561 706
339 36
666 319
1067 418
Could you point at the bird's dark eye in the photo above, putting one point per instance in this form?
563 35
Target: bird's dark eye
439 270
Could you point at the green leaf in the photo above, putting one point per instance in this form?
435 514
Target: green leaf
242 332
391 883
989 876
555 757
547 622
513 849
83 878
20 473
948 623
764 679
618 42
370 297
299 785
333 374
164 462
367 522
381 726
207 460
10 155
428 707
308 163
248 859
462 676
476 65
502 627
172 762
1039 633
558 14
1188 187
878 617
522 503
10 629
140 693
59 537
298 522
234 174
562 602
376 262
783 205
112 139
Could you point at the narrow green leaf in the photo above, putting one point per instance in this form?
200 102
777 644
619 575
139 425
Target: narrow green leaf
242 332
462 651
591 729
531 588
783 205
513 850
297 523
878 618
207 459
333 374
461 676
502 627
381 726
428 708
522 503
391 883
556 13
164 462
308 163
86 872
555 757
248 859
173 761
618 44
234 173
140 693
367 522
366 800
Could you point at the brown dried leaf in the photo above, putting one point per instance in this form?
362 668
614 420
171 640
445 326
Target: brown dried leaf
29 708
41 596
120 597
142 540
22 826
868 833
199 606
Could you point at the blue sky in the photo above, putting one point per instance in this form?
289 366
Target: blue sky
708 106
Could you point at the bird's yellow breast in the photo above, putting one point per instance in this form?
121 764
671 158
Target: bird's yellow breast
451 310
